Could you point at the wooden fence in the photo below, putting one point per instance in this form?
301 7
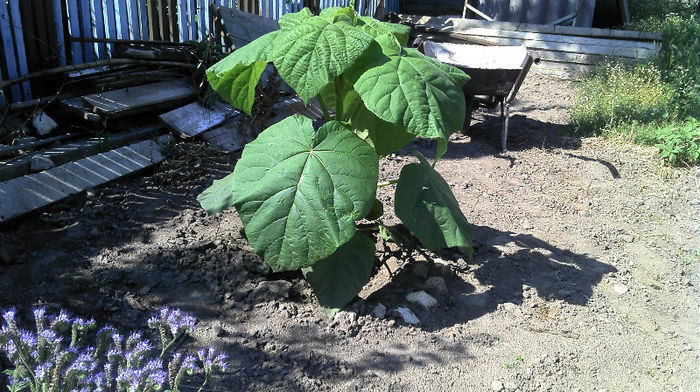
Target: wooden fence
41 34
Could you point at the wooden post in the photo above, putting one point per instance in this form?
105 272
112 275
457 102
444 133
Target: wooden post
153 25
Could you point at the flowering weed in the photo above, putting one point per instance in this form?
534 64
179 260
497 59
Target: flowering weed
45 361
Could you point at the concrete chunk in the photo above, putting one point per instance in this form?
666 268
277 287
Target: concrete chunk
43 124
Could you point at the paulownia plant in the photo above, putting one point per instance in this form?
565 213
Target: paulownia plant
300 191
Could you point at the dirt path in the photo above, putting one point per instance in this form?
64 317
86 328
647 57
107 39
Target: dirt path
584 278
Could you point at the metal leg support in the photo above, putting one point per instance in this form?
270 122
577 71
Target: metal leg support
504 119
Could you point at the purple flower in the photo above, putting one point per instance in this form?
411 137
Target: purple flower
9 315
174 320
39 313
213 360
60 322
27 338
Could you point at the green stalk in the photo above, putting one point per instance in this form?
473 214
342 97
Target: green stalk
339 97
324 107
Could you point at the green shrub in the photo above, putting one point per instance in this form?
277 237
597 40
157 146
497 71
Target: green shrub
680 143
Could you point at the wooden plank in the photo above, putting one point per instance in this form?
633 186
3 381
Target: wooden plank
43 31
122 17
97 17
173 20
29 31
481 32
19 45
9 50
28 193
201 28
86 30
74 31
153 20
110 23
191 22
132 9
182 21
228 136
602 50
118 103
242 28
145 26
193 119
58 32
72 151
442 22
163 20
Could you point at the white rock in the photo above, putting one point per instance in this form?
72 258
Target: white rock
620 288
43 124
379 311
421 297
407 316
40 163
496 386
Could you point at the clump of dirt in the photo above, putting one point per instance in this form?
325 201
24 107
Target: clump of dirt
584 274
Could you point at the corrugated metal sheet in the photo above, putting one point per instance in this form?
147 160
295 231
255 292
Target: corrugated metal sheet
527 11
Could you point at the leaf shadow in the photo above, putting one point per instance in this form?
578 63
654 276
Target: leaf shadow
505 266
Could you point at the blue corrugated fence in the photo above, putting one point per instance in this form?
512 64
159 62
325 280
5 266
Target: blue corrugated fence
171 20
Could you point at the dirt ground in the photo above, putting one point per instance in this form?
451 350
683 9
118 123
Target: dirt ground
584 276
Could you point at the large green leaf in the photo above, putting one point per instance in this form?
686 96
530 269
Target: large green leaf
236 76
415 92
312 54
291 20
219 196
299 192
337 279
385 137
376 28
426 205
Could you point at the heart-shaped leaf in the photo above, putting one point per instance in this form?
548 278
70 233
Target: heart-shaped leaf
309 56
236 76
376 28
385 137
426 205
337 279
299 192
415 92
293 19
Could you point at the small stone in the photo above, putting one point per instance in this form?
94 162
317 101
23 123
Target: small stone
421 270
40 163
437 284
277 287
379 311
620 288
43 124
510 387
627 238
422 298
219 332
496 386
407 316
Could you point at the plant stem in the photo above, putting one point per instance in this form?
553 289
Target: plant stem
387 183
324 108
339 97
206 379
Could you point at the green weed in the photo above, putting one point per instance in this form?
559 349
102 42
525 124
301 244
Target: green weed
655 103
515 364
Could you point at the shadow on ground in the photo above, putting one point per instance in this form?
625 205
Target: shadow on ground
504 264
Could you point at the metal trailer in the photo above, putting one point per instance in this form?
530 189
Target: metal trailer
496 74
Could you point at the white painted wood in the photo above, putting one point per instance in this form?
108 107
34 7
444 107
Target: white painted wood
193 119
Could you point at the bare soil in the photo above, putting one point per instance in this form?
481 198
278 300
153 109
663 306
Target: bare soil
584 275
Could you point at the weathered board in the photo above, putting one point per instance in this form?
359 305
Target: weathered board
117 103
228 136
28 193
240 27
193 119
564 50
